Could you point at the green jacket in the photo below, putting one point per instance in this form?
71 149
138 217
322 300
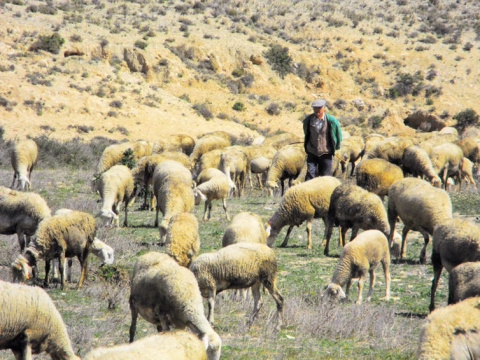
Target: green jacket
335 131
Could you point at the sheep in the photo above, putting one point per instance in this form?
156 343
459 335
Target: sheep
31 324
58 237
470 148
416 161
358 257
288 163
182 240
218 133
356 208
420 206
377 175
178 345
164 293
113 154
208 160
454 242
259 158
206 144
176 142
23 157
446 159
303 202
172 187
463 282
213 185
238 266
351 150
259 166
245 227
280 140
235 163
390 149
437 140
465 173
452 332
115 186
371 142
21 213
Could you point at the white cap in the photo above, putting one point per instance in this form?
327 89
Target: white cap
318 103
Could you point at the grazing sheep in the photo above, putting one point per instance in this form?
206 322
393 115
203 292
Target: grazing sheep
446 160
454 242
465 173
31 324
206 144
356 208
303 202
23 157
377 175
280 140
175 345
115 186
259 166
213 185
165 293
452 332
238 266
21 213
58 237
288 163
245 227
358 257
470 148
236 166
172 187
351 150
218 133
208 160
416 161
113 154
390 149
371 142
437 140
177 142
182 239
420 206
464 282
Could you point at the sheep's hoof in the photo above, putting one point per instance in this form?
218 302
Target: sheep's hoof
325 253
308 247
283 244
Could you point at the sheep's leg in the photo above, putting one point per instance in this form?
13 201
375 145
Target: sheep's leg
164 325
205 211
21 240
61 270
423 253
259 178
133 325
343 235
437 271
14 178
209 208
392 220
47 271
285 241
347 288
272 289
309 233
360 288
224 202
328 234
211 306
372 284
69 270
153 202
84 263
24 354
156 216
125 221
353 168
386 272
354 233
404 240
257 301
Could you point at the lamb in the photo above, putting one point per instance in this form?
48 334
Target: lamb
288 163
58 237
452 332
303 202
352 150
446 160
23 157
420 206
377 175
182 239
115 186
390 149
206 144
238 266
165 293
245 227
463 282
455 241
358 257
213 185
416 161
172 187
113 154
178 345
21 213
235 163
356 208
31 324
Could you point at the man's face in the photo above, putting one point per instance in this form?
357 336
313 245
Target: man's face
318 111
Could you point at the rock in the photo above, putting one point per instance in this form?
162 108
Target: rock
135 60
359 104
421 120
256 59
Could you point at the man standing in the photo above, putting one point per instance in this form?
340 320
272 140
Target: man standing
322 137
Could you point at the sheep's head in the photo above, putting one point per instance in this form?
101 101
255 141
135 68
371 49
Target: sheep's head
271 235
271 185
103 251
436 181
21 270
213 345
334 292
23 183
162 228
395 248
108 217
199 196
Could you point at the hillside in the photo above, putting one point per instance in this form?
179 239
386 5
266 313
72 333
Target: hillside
145 69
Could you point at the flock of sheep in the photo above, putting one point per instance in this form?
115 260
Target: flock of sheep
167 288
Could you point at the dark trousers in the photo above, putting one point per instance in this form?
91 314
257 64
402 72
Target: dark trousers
318 166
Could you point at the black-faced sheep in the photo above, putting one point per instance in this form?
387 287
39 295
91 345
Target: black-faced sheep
356 208
303 202
31 324
420 206
212 185
464 282
415 161
454 242
165 293
182 241
21 213
377 175
59 237
238 266
245 227
359 257
23 157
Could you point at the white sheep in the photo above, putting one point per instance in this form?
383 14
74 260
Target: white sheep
236 166
115 186
23 157
165 293
390 149
420 206
351 150
245 227
359 257
182 240
176 142
454 242
238 266
303 202
356 208
464 282
206 144
466 173
280 140
175 345
452 332
446 160
416 161
213 184
21 213
377 175
113 154
31 324
58 237
259 166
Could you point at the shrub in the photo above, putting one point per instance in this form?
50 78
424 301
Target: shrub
51 43
76 38
203 110
273 109
280 60
407 84
238 106
116 104
141 44
468 46
375 121
466 118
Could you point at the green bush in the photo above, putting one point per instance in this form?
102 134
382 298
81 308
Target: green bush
51 43
466 118
278 57
141 44
238 106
